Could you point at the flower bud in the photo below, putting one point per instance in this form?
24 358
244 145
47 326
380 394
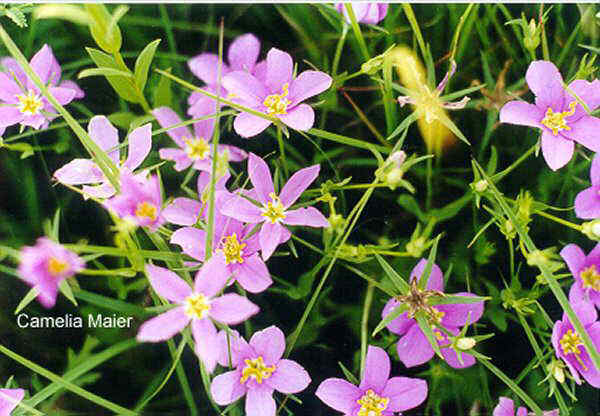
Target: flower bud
465 343
591 229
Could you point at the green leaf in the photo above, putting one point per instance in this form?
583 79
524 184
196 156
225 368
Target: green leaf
65 289
426 328
27 299
100 20
103 71
122 119
122 85
429 266
163 95
396 279
142 64
455 299
396 312
348 374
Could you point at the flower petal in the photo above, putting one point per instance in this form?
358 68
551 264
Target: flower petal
78 172
339 394
9 399
207 343
226 388
9 89
557 150
45 66
591 374
521 113
9 116
232 309
279 70
106 190
587 203
248 125
298 184
289 377
182 211
206 66
451 358
167 284
309 216
105 135
62 95
574 257
140 143
269 237
301 117
414 348
546 82
588 93
308 84
167 118
377 369
253 274
436 278
241 209
585 132
243 52
163 326
260 402
211 278
269 343
505 407
191 241
404 393
79 93
260 176
402 323
457 314
245 87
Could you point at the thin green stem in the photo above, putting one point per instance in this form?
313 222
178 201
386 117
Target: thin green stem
558 220
357 32
364 327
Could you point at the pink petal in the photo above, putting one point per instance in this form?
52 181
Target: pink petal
167 118
207 343
414 348
245 87
103 191
204 129
309 216
289 377
232 309
404 393
9 89
279 70
269 237
205 66
191 241
574 257
451 358
79 93
180 157
260 402
402 323
436 278
377 369
308 84
592 375
253 274
298 184
243 52
260 176
521 113
545 81
45 66
235 153
595 170
588 93
79 171
226 388
105 135
9 399
301 117
231 348
167 284
211 278
248 125
183 211
557 150
241 209
269 343
62 95
140 143
9 116
505 407
339 394
457 314
585 132
163 326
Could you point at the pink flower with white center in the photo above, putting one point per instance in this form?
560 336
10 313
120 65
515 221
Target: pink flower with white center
106 136
45 265
140 200
22 101
9 400
274 210
377 394
234 251
199 306
278 95
259 371
365 12
195 149
506 407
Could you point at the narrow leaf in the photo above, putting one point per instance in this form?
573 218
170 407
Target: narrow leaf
426 328
396 279
142 64
29 297
396 312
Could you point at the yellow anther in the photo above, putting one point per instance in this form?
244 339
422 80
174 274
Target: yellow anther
372 404
590 278
146 210
197 306
57 267
570 343
556 121
233 250
257 370
277 103
197 148
30 103
274 209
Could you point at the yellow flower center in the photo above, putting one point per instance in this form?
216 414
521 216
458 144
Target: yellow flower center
274 209
146 210
197 306
233 250
277 103
591 278
435 319
371 404
29 103
570 343
556 121
197 148
257 370
57 267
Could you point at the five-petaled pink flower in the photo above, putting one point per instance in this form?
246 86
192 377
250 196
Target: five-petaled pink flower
199 305
106 136
413 347
22 101
561 117
365 12
506 407
587 202
274 210
9 400
568 344
279 95
377 393
45 265
585 271
259 370
195 148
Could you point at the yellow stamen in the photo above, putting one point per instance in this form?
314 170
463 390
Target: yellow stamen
274 209
197 306
146 210
435 319
257 370
277 103
556 121
570 343
57 267
233 250
197 148
372 404
29 103
590 278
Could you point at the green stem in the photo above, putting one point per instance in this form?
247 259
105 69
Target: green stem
357 32
338 51
364 327
558 220
498 176
282 151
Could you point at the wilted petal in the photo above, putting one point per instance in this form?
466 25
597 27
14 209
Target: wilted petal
243 52
414 348
269 343
226 388
140 143
309 216
248 125
298 184
260 402
377 369
191 241
404 393
585 132
232 309
260 176
279 70
457 314
253 274
545 81
163 326
339 394
167 118
207 343
289 377
78 172
301 117
308 84
211 278
557 150
245 87
269 237
105 135
521 113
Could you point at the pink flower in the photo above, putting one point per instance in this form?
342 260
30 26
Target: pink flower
569 347
22 101
562 119
365 12
585 271
259 370
45 265
413 347
9 399
377 394
199 305
106 136
587 202
195 148
506 407
140 200
274 210
278 95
